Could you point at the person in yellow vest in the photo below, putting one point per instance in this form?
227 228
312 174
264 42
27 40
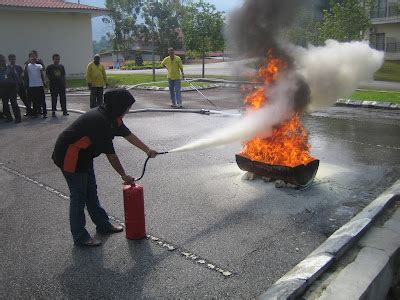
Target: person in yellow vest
96 79
173 63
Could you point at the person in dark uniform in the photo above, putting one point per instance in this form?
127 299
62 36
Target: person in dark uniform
57 83
8 90
21 90
89 136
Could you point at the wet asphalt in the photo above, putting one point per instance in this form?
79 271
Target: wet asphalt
196 202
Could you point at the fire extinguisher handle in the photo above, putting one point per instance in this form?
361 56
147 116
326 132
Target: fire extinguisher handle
144 167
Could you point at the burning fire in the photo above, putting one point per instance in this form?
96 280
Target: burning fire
288 144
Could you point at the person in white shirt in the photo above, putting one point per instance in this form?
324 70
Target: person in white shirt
35 84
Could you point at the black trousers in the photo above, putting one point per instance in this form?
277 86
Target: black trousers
36 94
55 91
24 98
9 95
96 96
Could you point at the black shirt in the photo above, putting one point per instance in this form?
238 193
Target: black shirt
88 137
56 74
8 77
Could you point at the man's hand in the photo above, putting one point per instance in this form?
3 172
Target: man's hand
107 85
128 179
152 153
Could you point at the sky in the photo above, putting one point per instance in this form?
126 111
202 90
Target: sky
100 29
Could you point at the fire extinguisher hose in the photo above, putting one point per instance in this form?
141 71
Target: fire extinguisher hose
145 164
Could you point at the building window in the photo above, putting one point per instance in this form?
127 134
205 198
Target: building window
392 45
380 9
394 9
377 41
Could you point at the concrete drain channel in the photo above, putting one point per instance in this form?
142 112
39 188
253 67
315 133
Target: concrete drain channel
168 246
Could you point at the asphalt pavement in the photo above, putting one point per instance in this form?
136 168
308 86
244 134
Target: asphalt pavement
202 216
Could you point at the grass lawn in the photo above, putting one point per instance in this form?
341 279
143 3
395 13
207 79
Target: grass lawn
74 83
390 71
122 79
381 96
130 79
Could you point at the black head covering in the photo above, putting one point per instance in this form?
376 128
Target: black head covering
116 102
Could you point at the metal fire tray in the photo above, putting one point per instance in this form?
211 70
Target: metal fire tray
302 176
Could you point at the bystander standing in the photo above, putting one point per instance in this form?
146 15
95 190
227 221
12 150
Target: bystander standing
57 83
173 63
8 90
35 83
21 89
96 79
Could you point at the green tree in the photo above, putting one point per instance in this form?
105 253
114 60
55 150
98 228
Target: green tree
103 45
123 17
304 29
344 22
165 16
202 28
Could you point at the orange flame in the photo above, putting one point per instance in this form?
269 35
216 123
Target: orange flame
288 144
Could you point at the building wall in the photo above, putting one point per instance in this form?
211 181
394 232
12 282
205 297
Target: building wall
392 35
390 30
68 34
386 20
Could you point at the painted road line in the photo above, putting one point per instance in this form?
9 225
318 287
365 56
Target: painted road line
198 260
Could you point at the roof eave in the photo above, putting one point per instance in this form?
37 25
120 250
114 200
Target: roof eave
93 13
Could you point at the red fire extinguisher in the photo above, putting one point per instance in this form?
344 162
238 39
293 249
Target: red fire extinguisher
134 211
135 224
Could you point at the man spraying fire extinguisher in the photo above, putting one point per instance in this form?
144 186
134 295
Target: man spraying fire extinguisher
76 147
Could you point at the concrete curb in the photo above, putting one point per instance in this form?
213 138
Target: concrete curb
185 89
370 273
143 110
293 284
367 104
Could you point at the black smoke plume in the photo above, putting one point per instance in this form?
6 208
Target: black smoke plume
254 28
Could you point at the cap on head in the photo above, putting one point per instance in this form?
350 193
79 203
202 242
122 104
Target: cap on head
117 101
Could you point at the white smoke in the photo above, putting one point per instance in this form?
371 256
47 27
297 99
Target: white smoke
331 71
335 70
255 123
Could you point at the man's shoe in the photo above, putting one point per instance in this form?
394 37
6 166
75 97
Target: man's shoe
112 229
116 228
92 242
53 114
17 121
65 114
180 107
44 116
